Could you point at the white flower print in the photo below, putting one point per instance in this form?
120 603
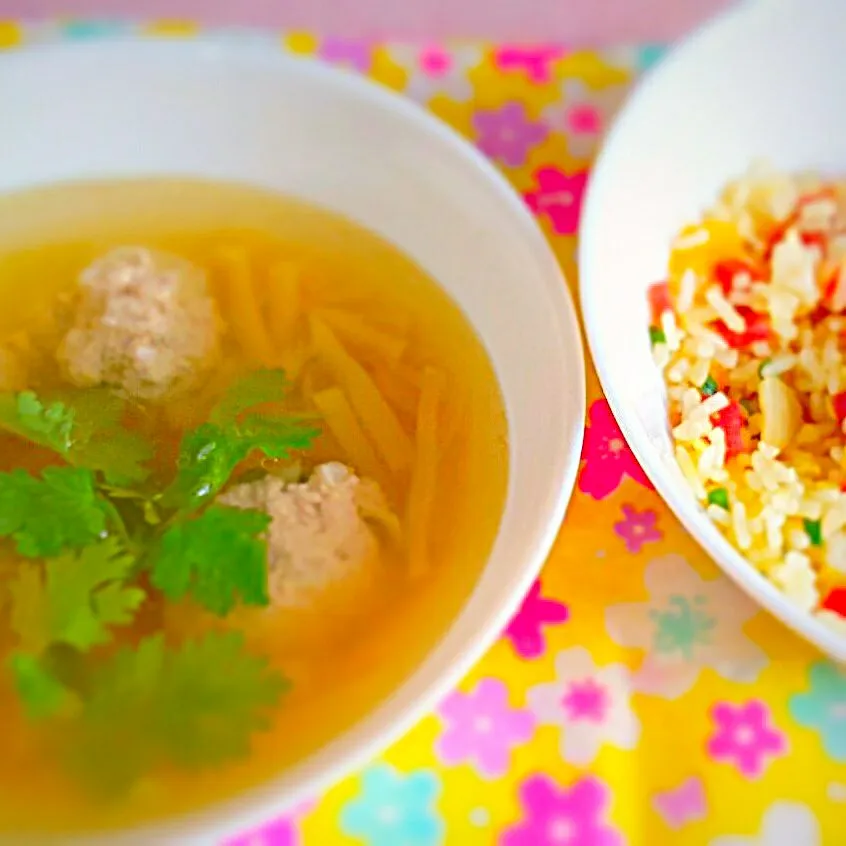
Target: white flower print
589 703
583 114
689 623
437 70
784 824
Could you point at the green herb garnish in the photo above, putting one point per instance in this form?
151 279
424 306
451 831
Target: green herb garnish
719 497
48 425
41 693
657 336
61 510
74 599
193 706
102 443
709 387
217 557
84 427
813 528
102 540
210 453
257 388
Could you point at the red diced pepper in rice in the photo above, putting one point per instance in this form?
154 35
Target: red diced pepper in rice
659 301
757 329
727 271
838 404
783 227
814 239
834 289
836 601
732 421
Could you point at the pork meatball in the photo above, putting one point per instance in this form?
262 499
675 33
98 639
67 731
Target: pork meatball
144 323
319 531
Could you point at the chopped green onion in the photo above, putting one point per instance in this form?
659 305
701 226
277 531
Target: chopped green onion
813 528
719 497
761 367
656 335
709 387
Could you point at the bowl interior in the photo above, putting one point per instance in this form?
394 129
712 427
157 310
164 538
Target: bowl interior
759 82
250 114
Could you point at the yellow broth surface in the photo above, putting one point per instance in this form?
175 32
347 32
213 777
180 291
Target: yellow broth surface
277 268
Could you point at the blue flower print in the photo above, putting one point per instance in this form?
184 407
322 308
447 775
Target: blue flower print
394 809
649 55
82 30
823 707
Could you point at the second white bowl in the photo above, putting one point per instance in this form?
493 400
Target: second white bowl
763 81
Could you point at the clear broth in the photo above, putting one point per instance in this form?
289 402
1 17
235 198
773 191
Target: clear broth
356 644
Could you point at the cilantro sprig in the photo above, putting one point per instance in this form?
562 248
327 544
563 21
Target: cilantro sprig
61 510
194 706
84 427
74 599
50 425
98 542
197 556
209 454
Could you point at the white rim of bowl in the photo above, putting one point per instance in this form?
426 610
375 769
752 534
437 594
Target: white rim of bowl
612 157
255 805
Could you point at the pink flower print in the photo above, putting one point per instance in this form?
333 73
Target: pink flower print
583 115
482 727
507 134
558 197
683 804
562 817
536 62
585 700
434 71
584 119
744 737
525 631
591 705
607 456
637 528
355 55
283 831
435 61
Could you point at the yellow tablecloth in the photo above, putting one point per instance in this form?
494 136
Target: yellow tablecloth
638 697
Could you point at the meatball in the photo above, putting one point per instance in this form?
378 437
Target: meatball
319 532
144 323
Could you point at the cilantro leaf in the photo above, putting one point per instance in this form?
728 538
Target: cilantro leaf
256 388
74 599
41 693
194 706
100 441
207 458
277 437
84 427
45 516
27 417
210 453
217 557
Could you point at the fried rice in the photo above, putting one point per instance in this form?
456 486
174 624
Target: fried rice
749 330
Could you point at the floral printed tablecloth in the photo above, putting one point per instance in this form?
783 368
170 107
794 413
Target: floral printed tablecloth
637 697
